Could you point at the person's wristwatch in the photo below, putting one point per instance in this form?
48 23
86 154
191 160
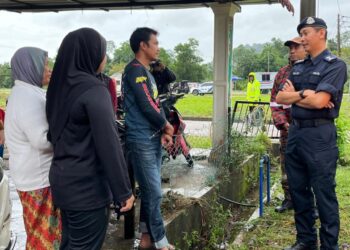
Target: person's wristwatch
301 94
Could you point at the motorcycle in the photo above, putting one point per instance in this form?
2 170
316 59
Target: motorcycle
180 144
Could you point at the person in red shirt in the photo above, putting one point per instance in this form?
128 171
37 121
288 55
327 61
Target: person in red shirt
281 113
2 135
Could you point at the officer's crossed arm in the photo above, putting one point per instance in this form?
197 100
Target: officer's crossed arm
287 95
305 98
315 100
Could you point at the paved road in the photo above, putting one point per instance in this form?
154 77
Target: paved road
198 128
204 128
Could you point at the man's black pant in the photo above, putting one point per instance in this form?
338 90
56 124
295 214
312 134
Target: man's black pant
311 158
84 230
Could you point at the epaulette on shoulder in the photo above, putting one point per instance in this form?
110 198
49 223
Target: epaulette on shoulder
299 61
330 58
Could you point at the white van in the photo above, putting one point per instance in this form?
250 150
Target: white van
266 79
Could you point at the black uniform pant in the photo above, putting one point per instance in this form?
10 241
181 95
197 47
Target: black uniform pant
84 230
311 158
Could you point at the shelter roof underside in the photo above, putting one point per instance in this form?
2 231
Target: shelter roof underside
60 5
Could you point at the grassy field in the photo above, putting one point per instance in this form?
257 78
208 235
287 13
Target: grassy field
202 106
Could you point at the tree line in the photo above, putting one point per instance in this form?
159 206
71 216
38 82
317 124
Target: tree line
187 64
184 60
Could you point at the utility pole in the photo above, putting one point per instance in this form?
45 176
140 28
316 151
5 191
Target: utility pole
338 36
268 60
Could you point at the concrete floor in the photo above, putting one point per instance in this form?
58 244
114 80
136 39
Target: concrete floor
181 179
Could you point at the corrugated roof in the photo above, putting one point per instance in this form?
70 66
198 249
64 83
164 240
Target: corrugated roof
60 5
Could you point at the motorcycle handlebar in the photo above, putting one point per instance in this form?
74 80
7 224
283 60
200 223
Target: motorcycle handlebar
164 97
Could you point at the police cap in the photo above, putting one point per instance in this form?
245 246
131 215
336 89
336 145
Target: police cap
311 22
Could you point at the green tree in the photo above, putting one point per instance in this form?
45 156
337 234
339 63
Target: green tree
345 39
270 56
118 57
345 54
123 54
5 76
209 71
332 46
245 60
110 49
188 64
167 58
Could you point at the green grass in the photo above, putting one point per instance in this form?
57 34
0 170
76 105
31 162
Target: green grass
202 106
196 106
189 106
276 231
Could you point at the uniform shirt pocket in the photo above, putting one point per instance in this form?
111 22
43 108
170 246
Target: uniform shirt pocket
313 81
298 82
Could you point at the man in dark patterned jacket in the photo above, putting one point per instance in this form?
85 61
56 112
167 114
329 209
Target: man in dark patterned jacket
281 113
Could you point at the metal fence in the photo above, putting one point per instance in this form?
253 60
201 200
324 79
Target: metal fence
252 118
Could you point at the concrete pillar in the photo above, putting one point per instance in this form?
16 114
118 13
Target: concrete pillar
307 8
223 31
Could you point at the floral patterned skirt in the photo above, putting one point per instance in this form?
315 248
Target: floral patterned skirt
42 220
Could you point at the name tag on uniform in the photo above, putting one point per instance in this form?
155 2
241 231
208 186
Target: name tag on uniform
316 73
296 73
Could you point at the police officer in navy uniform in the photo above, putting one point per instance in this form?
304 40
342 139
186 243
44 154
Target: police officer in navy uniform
315 90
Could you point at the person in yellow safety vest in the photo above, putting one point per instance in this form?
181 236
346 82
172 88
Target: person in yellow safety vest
253 90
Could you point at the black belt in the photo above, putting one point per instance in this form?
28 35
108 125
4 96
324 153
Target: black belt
311 123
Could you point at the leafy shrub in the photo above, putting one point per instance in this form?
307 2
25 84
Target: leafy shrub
343 140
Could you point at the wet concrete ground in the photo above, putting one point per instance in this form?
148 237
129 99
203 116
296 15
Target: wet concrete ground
182 179
17 225
176 171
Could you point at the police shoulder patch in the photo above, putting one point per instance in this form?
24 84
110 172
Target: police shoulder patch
141 79
330 58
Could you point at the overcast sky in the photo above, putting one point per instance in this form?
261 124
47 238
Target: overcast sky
254 24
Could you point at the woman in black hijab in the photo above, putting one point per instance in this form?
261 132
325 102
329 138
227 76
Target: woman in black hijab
88 170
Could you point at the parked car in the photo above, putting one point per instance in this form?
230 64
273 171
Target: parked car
193 85
5 210
203 88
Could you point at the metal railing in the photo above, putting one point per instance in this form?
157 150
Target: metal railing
252 118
